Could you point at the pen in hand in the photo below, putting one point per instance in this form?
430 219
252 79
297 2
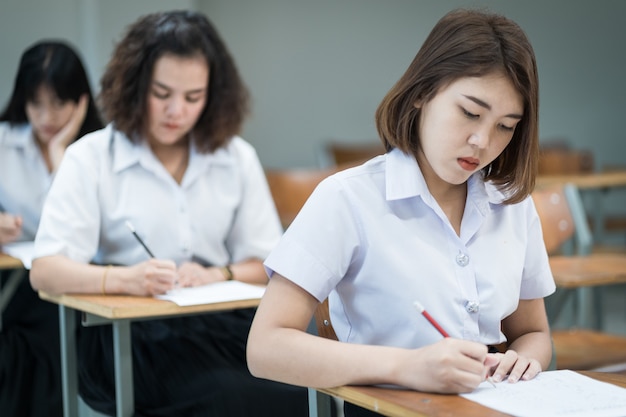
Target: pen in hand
419 307
132 230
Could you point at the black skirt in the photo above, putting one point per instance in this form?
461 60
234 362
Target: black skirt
30 370
187 366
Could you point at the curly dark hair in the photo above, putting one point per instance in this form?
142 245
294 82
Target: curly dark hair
126 81
55 64
470 43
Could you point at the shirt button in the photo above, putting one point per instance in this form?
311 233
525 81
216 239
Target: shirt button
472 306
462 259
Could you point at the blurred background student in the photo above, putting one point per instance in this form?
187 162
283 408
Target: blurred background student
51 106
172 164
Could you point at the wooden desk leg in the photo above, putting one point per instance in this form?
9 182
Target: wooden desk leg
122 351
69 370
319 404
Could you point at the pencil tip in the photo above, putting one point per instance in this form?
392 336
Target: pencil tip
418 306
130 226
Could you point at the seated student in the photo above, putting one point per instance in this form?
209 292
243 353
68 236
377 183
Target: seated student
444 218
50 107
172 165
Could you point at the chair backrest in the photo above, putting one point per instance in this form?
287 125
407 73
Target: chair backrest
342 153
291 188
322 321
563 218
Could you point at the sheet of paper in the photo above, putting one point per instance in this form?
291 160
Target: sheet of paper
23 251
214 293
553 394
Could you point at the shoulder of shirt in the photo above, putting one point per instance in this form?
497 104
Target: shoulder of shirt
98 140
14 135
237 148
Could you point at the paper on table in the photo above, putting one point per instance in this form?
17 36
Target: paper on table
554 394
23 251
214 293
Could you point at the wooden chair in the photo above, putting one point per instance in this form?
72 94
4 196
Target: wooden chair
564 223
343 153
291 188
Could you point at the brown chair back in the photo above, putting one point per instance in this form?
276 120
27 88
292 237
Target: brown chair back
556 218
291 188
353 153
322 321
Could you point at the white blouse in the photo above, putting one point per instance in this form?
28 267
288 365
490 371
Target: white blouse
374 240
222 211
24 176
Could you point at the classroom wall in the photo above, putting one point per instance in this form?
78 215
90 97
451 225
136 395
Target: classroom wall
318 69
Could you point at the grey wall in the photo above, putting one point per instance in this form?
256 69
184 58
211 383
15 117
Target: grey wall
318 69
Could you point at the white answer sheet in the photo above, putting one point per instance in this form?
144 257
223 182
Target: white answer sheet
561 393
214 293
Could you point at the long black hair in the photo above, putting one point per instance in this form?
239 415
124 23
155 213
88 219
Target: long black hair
56 65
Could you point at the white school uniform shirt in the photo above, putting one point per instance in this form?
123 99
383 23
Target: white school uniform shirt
374 240
222 211
24 176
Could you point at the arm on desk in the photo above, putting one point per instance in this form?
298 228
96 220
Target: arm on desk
280 349
57 275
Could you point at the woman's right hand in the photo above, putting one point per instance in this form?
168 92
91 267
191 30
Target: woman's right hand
152 277
10 228
448 366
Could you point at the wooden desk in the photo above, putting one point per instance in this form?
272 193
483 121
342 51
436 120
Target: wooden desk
119 311
406 403
9 262
594 180
16 274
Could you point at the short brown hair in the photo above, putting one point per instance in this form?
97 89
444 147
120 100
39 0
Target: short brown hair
470 43
125 83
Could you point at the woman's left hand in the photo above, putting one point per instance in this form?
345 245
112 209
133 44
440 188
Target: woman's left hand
516 366
58 144
192 274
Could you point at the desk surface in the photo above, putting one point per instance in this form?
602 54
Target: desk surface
406 403
9 262
131 307
587 181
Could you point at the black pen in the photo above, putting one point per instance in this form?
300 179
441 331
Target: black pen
132 230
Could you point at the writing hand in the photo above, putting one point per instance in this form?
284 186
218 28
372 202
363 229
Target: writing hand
10 228
152 277
448 366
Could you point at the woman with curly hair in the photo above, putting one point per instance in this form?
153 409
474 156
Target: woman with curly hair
172 164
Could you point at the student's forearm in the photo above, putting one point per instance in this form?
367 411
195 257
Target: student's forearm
57 275
313 361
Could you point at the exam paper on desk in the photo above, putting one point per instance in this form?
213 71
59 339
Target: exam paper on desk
21 250
214 293
561 393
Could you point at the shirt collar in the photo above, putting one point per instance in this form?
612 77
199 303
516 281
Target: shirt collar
127 153
404 179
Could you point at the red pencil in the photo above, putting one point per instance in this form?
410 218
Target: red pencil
432 321
436 325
